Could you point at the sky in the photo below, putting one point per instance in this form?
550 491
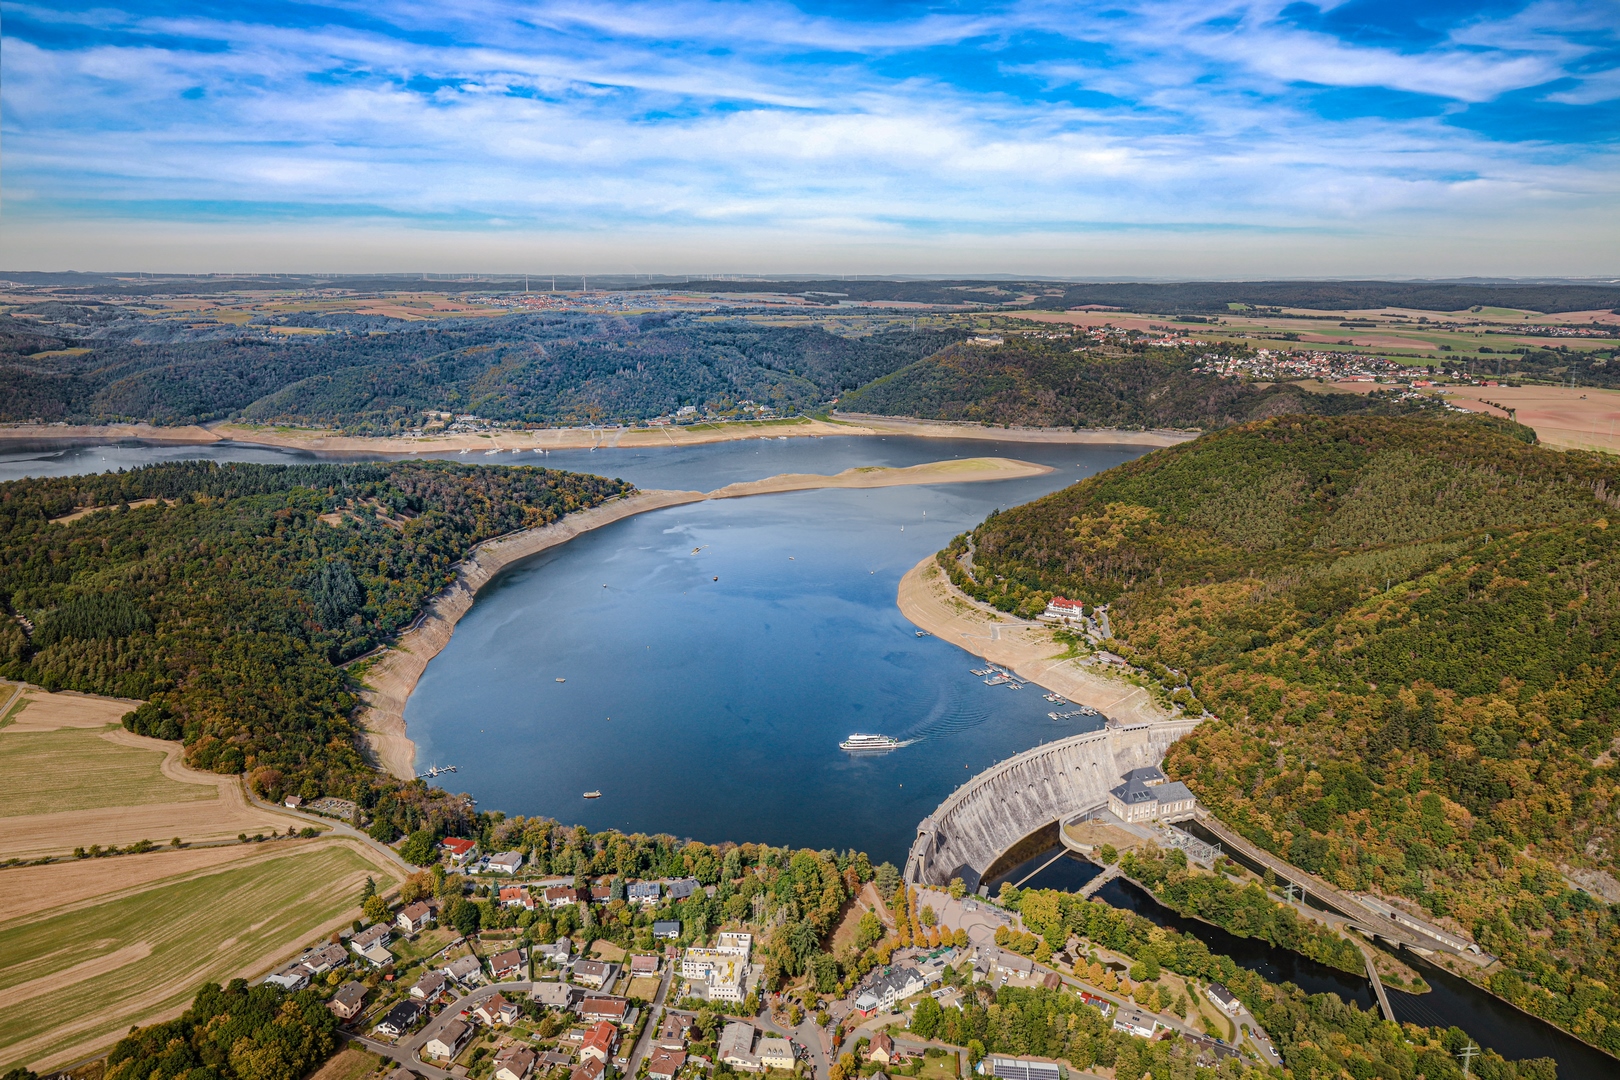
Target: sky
1137 139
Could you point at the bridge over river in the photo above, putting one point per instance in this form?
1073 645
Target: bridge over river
1017 808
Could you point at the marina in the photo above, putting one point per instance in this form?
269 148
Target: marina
434 771
1082 711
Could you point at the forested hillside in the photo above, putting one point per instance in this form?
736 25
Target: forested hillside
1041 384
230 597
1409 632
95 363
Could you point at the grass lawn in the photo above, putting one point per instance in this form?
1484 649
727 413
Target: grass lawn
606 950
938 1068
645 988
427 943
44 772
351 1063
74 979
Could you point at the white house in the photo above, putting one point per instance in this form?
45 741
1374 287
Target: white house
506 862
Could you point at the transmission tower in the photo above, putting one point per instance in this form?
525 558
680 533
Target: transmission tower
1467 1054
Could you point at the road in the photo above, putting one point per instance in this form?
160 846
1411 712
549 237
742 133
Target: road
336 827
406 1050
655 1013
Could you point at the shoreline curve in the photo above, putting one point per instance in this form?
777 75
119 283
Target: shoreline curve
393 676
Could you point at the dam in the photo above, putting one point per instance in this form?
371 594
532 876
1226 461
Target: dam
1015 809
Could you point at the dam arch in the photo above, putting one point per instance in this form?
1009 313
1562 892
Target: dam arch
996 814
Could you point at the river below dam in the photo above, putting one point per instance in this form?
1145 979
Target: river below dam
713 708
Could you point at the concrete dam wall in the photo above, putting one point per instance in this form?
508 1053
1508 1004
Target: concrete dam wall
992 813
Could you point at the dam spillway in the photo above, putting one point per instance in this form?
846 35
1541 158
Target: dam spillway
996 811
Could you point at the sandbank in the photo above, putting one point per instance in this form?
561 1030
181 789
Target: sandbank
932 603
393 674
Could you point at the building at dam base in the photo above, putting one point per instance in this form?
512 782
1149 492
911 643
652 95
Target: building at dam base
1023 802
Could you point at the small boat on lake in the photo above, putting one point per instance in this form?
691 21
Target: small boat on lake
593 794
562 680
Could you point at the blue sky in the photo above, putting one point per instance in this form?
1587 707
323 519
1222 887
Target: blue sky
1141 138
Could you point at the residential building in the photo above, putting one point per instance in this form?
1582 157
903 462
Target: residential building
672 1031
508 966
293 977
643 892
430 986
589 1069
1146 798
458 851
737 1046
1224 999
594 973
602 1007
555 995
601 894
552 1058
293 802
514 1062
401 1018
559 952
375 934
449 1041
497 1011
681 888
1136 1022
665 1064
881 1049
349 1000
324 959
725 973
465 970
1021 1068
377 956
775 1052
413 917
1209 1053
893 985
1069 611
561 896
601 1042
666 929
1011 965
734 944
643 964
517 896
506 862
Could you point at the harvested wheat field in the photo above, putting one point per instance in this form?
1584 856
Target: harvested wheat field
77 976
70 777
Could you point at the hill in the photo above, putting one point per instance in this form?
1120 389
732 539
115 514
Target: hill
94 363
1406 629
1044 384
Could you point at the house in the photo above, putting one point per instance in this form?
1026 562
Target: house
506 862
1208 1053
672 1031
517 896
324 959
449 1041
349 1000
603 1007
514 1062
375 934
594 973
1012 966
601 1042
551 1059
460 852
737 1046
664 1064
643 892
892 986
1136 1022
561 896
430 986
293 802
1224 999
401 1018
497 1011
558 953
293 977
681 888
589 1069
555 995
465 970
1145 796
666 929
413 917
377 956
643 964
775 1052
509 966
601 894
1021 1068
881 1049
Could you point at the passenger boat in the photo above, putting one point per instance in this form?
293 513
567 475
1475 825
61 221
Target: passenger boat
593 794
869 744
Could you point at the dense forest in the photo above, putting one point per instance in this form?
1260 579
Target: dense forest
96 363
1044 384
231 1032
1406 629
225 596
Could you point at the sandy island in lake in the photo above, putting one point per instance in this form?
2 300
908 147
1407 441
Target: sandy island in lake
1027 649
393 674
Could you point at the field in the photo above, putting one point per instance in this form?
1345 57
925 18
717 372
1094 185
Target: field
77 976
349 1064
70 777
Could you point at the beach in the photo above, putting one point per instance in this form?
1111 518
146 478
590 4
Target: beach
390 677
932 603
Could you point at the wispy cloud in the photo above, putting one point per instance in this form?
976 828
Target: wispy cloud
1358 118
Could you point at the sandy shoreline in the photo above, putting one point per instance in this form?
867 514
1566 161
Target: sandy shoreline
933 604
570 438
394 674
